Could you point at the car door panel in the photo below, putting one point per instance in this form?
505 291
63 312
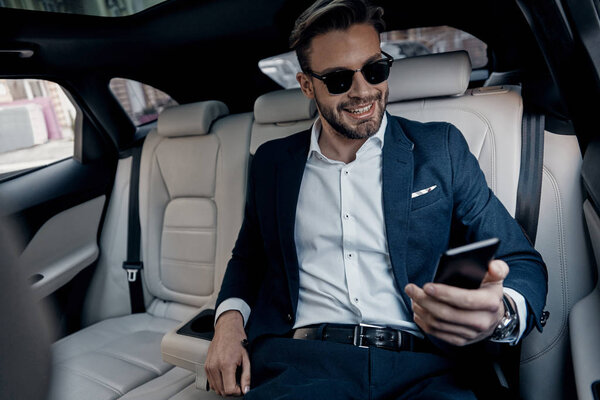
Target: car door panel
56 212
585 317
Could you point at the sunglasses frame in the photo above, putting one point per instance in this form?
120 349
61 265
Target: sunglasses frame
388 58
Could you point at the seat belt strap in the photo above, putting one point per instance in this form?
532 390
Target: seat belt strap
133 265
529 190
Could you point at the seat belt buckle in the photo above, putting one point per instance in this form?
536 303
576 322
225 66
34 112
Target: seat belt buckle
132 268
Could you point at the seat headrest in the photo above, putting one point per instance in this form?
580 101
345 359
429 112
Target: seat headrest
432 75
190 119
284 106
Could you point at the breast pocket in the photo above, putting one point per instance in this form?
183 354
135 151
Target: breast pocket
425 199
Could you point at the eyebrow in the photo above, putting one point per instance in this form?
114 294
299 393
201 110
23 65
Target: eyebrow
374 57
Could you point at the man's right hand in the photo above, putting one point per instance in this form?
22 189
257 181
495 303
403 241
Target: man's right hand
226 354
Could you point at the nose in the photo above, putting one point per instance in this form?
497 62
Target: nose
360 87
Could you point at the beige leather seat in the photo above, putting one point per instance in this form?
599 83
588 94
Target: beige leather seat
192 190
490 119
279 114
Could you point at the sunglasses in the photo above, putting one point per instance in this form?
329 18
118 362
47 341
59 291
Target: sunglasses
375 72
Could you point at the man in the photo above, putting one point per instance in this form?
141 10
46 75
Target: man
333 238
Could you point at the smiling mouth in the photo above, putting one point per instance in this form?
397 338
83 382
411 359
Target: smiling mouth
361 111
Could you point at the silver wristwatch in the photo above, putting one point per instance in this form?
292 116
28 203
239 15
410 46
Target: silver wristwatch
509 322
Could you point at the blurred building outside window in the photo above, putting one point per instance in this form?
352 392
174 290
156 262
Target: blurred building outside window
36 124
141 102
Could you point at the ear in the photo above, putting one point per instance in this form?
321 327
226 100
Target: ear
306 85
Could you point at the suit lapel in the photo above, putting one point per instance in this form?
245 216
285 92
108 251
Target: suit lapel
289 178
397 178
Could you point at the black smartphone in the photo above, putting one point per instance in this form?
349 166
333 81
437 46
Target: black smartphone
466 266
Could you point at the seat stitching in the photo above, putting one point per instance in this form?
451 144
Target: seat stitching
563 272
129 361
187 263
172 383
91 378
484 119
183 229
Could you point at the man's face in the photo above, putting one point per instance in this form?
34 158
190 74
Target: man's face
357 113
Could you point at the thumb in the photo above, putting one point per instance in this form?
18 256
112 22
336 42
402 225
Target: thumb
245 378
497 271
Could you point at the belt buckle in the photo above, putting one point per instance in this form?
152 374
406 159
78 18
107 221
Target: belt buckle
359 334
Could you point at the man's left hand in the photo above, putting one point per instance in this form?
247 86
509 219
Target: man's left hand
460 316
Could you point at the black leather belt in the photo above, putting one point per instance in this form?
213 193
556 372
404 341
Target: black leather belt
363 336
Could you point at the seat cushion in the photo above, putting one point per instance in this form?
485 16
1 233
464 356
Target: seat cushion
109 359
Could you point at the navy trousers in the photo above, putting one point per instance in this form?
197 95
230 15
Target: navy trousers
285 368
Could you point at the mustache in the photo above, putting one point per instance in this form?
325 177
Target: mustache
356 102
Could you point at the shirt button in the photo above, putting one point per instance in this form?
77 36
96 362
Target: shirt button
289 317
356 299
350 255
346 172
346 216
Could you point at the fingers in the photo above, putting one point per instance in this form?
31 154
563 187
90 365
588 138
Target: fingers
214 378
230 386
226 354
457 316
245 379
467 325
483 299
497 272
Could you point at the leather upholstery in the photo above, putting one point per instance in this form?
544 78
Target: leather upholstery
279 114
192 190
585 320
283 106
190 119
433 75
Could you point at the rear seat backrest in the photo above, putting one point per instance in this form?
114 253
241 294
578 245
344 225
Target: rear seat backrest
279 114
490 119
192 188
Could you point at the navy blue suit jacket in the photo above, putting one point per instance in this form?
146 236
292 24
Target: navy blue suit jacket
263 270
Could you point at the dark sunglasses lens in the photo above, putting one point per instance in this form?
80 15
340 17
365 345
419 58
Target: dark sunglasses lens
339 81
376 72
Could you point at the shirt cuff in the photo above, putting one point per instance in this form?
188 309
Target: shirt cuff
233 303
519 301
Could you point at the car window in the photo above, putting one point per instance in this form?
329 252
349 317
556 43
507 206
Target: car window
142 102
282 68
106 8
37 122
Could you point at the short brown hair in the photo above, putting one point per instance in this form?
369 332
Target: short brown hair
329 15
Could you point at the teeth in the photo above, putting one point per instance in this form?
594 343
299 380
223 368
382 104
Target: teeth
361 110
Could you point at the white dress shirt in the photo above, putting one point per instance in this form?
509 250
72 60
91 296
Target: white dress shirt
344 264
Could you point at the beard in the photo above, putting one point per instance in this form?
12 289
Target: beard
364 129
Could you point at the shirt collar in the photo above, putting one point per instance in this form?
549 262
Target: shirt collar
316 132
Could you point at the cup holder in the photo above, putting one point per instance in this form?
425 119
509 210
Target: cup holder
201 326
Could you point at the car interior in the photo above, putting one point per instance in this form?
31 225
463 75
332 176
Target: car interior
113 256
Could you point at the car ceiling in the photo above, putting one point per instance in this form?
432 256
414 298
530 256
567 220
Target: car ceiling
199 50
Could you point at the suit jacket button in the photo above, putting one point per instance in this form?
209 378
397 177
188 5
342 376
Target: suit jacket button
289 317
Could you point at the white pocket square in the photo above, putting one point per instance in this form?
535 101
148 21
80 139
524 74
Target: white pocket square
422 192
